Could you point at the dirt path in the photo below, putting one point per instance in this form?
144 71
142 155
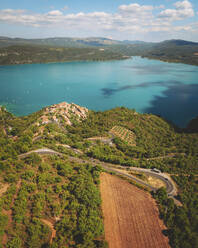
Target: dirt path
4 130
51 226
3 188
172 155
131 217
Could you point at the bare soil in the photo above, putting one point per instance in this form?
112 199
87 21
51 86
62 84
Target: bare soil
3 188
51 226
155 182
131 216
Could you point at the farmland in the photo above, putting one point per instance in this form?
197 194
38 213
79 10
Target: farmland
131 217
124 134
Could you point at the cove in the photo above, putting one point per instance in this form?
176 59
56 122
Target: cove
148 86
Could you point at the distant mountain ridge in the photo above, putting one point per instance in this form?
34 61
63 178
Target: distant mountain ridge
85 42
25 51
134 42
59 41
179 42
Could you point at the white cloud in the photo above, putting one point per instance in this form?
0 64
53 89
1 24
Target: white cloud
128 20
13 11
55 13
182 10
183 5
135 8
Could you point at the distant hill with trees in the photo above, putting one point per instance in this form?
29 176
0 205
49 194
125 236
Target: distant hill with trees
32 54
14 50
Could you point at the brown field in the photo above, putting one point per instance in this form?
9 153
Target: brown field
131 217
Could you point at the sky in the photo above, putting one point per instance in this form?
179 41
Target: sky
147 20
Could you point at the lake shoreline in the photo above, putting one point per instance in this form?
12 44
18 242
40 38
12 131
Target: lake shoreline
149 86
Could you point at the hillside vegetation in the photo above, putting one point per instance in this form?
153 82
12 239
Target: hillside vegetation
31 54
175 51
59 42
26 51
61 190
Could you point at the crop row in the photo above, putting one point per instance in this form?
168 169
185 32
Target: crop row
124 134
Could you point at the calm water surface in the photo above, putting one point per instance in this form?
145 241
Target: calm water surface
151 86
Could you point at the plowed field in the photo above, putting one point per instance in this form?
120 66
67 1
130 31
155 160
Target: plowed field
131 216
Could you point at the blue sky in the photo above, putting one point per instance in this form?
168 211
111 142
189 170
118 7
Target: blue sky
147 20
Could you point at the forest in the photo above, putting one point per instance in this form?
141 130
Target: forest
36 54
64 192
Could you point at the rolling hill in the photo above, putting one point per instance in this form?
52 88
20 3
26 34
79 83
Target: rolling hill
59 42
14 50
52 199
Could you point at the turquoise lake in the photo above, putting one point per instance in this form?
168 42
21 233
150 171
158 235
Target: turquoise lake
149 86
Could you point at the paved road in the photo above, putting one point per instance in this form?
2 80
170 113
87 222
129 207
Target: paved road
40 151
139 181
170 187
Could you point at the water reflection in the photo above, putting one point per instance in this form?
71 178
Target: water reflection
179 104
158 69
107 92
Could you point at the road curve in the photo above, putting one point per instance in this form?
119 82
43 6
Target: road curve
129 176
40 151
170 187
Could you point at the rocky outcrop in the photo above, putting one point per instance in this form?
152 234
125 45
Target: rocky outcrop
64 111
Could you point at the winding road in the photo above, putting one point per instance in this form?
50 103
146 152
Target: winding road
170 186
40 151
